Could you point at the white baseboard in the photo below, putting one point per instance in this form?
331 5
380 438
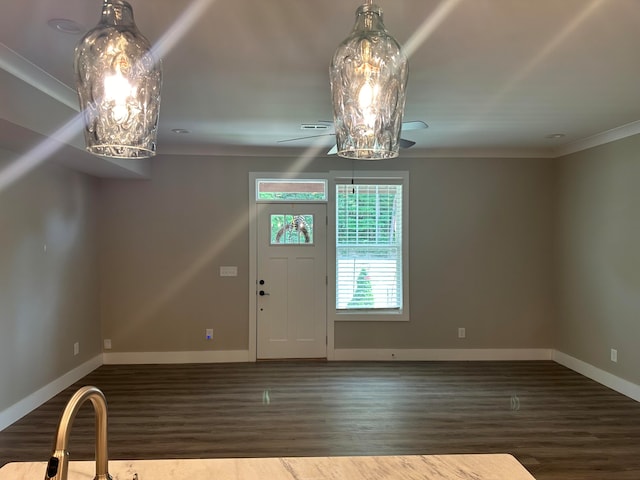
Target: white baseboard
206 356
18 410
360 354
607 379
364 354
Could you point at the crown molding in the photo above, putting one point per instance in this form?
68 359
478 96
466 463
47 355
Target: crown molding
598 139
18 66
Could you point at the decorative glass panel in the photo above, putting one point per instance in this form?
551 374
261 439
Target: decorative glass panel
287 229
290 190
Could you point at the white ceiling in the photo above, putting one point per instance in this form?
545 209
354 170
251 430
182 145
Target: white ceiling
490 77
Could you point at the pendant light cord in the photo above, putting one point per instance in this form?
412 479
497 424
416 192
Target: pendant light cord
353 174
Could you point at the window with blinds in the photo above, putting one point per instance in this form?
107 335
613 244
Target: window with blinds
369 247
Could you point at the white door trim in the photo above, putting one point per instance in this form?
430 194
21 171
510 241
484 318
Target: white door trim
253 261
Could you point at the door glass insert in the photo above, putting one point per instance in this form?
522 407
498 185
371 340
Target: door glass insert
288 229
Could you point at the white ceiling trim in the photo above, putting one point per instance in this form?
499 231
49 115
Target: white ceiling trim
58 126
18 66
598 139
479 153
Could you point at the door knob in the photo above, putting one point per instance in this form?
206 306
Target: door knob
262 293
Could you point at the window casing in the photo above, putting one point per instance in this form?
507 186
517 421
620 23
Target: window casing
370 213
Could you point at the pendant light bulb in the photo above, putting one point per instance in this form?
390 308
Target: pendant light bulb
368 82
118 81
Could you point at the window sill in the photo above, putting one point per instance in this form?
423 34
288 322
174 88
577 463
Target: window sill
372 316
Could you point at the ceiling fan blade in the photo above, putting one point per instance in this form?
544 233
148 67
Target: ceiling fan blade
404 143
304 138
410 125
414 125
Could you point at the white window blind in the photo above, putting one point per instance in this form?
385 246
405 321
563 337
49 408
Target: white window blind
369 246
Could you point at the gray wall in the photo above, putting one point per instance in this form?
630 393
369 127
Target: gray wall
48 299
481 255
524 253
162 242
599 257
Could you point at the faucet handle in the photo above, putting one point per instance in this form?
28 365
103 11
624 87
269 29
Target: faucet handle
52 467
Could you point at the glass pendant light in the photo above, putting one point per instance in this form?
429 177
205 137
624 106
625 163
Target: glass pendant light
368 81
118 81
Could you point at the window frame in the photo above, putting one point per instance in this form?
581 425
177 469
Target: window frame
367 177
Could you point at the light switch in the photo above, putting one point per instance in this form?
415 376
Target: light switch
229 271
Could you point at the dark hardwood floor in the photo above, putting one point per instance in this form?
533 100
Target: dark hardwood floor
557 423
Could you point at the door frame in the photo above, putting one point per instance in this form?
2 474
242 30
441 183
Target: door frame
254 209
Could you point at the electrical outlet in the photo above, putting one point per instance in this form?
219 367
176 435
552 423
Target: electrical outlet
614 355
107 344
76 348
462 332
209 333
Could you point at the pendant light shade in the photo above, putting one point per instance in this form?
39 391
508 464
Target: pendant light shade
118 81
368 82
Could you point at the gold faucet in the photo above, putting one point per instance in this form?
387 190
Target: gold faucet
59 462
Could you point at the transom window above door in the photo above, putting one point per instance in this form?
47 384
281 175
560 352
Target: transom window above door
291 190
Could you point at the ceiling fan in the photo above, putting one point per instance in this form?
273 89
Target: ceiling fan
325 125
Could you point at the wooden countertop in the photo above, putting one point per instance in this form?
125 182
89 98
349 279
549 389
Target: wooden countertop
431 467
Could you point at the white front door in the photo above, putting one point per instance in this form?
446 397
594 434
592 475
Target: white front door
292 281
